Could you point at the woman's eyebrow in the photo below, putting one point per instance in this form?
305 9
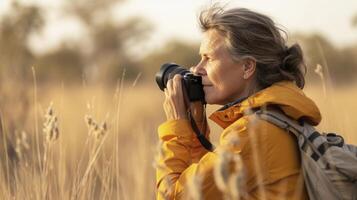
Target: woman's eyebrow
206 54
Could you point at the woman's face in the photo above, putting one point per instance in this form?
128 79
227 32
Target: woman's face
222 77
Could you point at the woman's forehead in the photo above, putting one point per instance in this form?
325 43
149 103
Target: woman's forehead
212 42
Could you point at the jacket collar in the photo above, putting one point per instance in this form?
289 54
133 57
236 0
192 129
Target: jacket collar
229 113
285 95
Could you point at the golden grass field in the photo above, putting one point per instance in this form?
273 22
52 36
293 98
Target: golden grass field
119 162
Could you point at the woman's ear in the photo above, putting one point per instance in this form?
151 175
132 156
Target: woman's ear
249 66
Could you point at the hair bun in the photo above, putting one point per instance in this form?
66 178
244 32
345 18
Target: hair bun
293 64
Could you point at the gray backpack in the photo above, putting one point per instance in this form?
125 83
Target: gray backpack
329 165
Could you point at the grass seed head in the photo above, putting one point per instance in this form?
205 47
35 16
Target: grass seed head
22 144
98 131
228 171
50 125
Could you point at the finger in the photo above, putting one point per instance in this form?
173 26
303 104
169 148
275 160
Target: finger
167 110
167 99
166 93
177 86
169 85
177 77
167 105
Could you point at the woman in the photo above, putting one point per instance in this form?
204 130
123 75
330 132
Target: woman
246 65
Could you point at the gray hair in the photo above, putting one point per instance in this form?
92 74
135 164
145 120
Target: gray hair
251 34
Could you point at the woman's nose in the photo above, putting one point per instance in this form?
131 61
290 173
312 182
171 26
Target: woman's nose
198 70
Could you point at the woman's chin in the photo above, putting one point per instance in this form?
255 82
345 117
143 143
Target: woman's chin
209 95
210 100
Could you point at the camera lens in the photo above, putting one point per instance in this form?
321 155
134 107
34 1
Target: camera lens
168 71
192 84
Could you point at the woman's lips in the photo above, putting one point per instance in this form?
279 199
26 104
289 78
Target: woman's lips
206 84
207 87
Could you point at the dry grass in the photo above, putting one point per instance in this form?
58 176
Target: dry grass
83 159
104 160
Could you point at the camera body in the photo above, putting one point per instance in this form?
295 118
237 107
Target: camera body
191 83
194 87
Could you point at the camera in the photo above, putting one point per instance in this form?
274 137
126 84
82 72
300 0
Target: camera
191 83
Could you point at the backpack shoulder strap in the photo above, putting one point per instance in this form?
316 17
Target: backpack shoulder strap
279 119
340 158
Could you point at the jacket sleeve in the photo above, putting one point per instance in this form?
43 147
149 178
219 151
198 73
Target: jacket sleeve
181 156
179 161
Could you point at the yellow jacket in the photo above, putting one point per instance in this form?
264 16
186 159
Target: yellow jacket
269 154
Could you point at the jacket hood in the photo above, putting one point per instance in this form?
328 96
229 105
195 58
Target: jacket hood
285 95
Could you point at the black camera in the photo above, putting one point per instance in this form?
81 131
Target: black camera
192 83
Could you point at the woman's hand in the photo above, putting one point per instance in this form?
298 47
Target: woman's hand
174 104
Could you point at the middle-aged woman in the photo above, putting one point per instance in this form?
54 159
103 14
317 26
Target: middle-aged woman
245 65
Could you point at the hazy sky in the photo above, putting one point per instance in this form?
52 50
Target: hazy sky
178 18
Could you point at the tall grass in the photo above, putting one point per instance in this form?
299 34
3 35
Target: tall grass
73 158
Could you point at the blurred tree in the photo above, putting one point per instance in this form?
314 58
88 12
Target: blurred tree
177 51
64 63
107 54
16 27
101 54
